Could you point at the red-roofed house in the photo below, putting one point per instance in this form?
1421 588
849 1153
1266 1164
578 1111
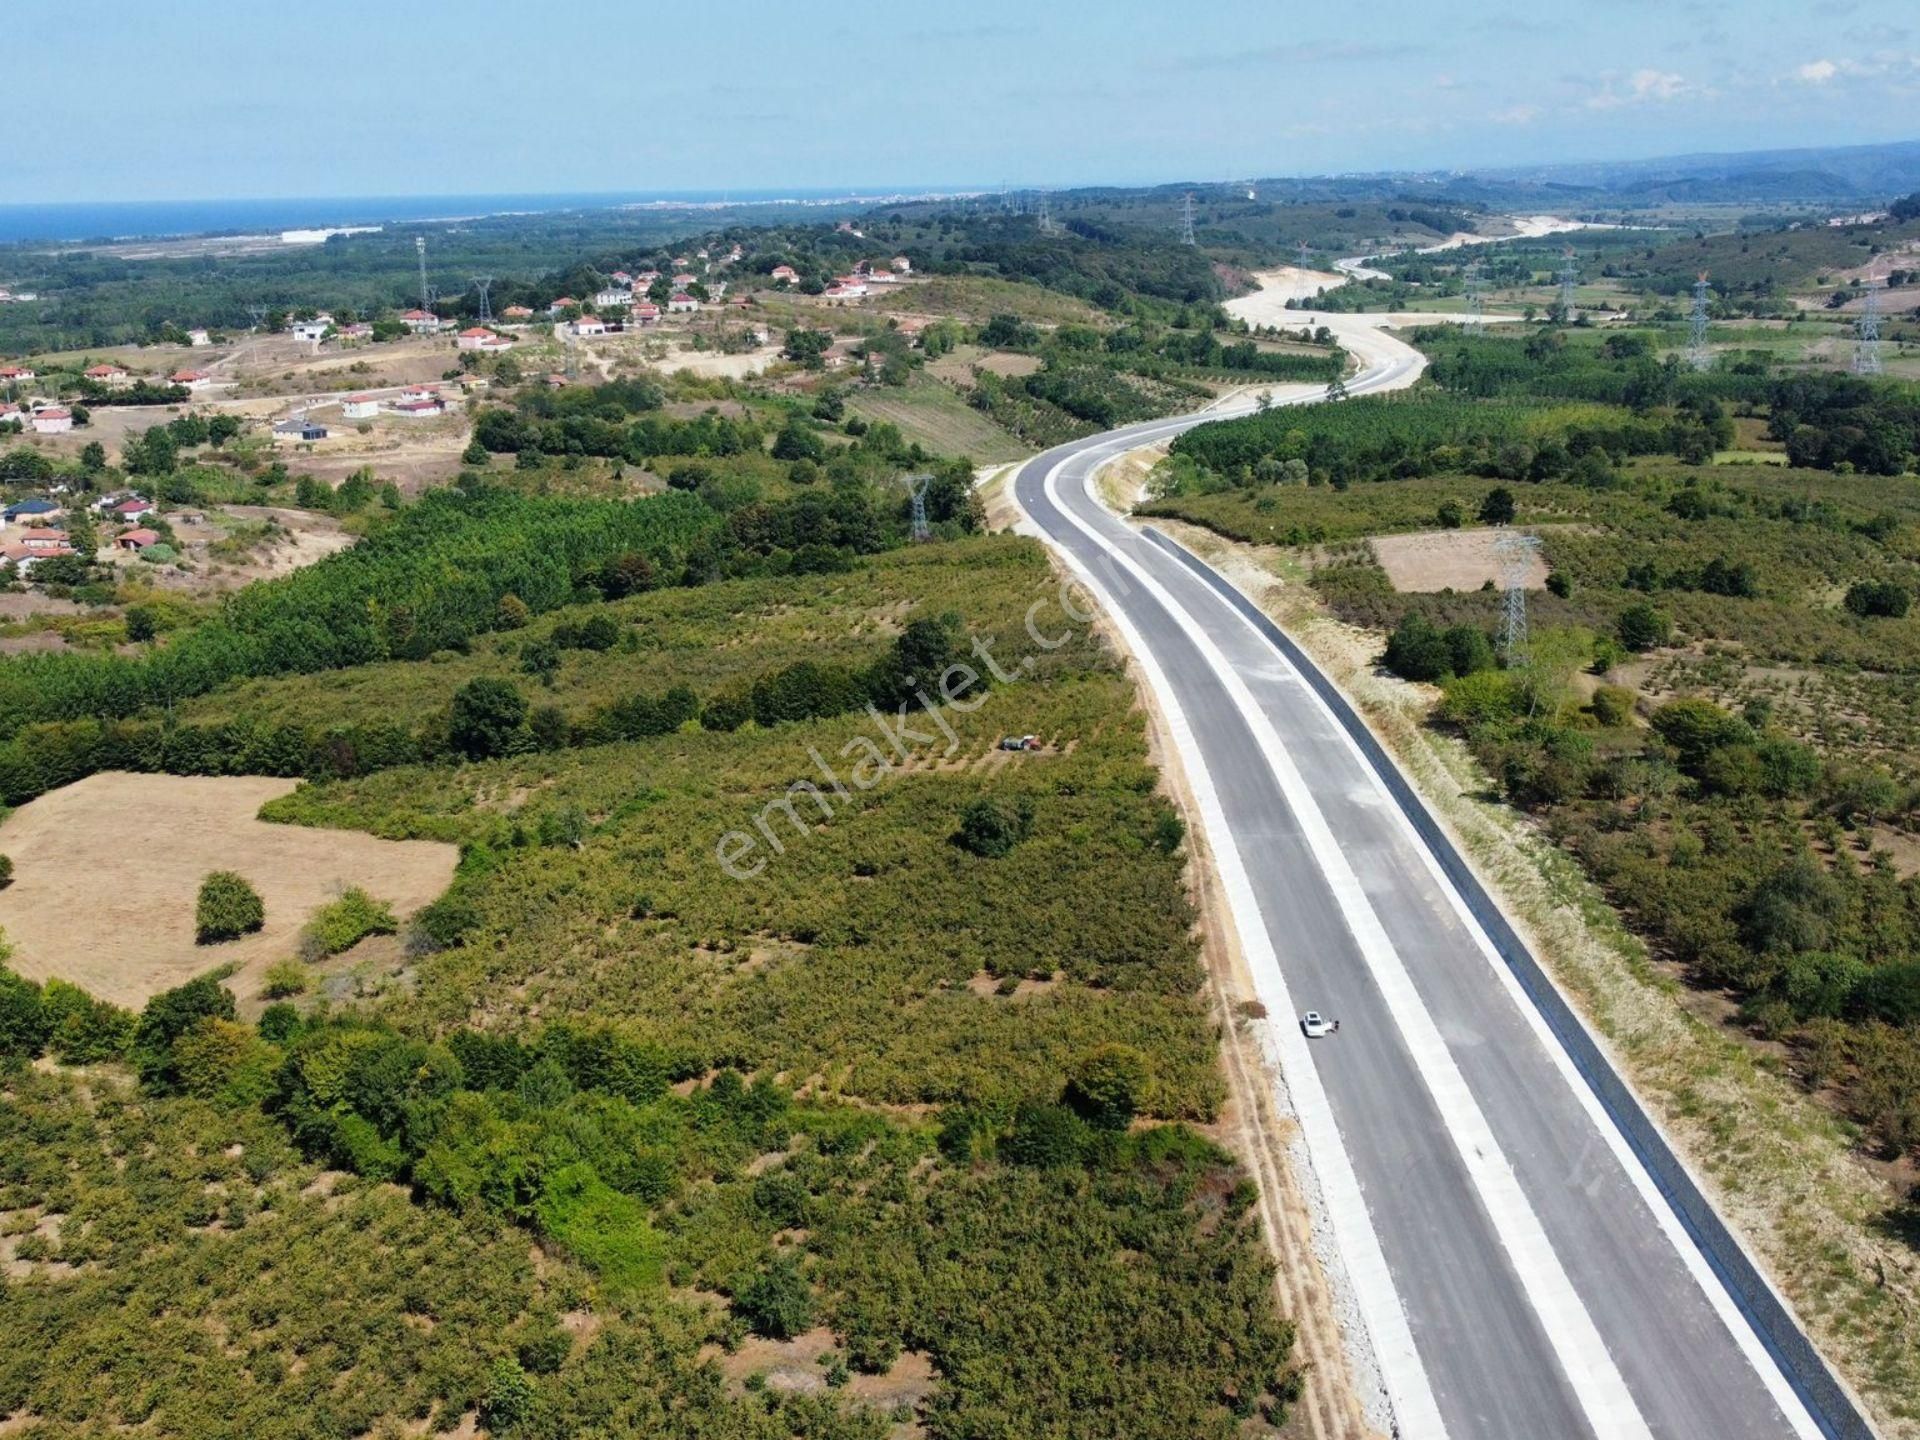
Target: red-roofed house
136 539
786 273
419 409
516 312
52 420
682 303
589 325
192 379
646 313
481 338
106 374
423 322
11 373
127 511
562 303
43 541
684 279
359 407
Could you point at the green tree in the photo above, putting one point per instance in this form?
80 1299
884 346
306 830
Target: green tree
486 717
1498 508
776 1301
990 827
1110 1085
228 908
1641 627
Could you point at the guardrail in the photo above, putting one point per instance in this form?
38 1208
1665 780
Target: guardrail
1833 1407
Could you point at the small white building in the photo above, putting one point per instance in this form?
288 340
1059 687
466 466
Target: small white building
589 325
359 407
645 313
199 338
312 331
53 420
900 265
481 338
422 409
611 299
191 379
107 374
682 303
423 322
14 374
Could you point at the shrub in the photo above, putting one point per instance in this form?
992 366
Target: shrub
6 871
1613 705
1498 508
991 827
345 923
228 908
284 978
1878 598
510 1396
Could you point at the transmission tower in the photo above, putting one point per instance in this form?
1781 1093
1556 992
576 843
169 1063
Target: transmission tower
1515 553
1569 277
1047 227
1306 256
917 494
426 294
259 314
1186 220
1470 281
1698 355
1866 344
484 284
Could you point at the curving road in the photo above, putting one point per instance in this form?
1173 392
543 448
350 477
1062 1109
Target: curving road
1516 1266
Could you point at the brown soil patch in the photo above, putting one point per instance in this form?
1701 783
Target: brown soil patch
1447 560
107 871
794 1366
1009 365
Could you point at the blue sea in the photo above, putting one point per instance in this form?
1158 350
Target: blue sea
150 219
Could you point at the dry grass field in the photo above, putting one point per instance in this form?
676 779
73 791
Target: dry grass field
1446 560
106 873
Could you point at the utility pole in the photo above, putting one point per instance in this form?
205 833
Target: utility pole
1186 220
1698 355
1569 277
426 294
1866 344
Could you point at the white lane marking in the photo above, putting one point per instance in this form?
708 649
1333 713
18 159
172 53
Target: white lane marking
1792 1408
1409 1392
1598 1387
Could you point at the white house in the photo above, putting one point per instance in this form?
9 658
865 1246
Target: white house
359 407
423 322
900 265
131 509
589 325
107 374
682 303
481 338
199 338
422 409
611 298
314 330
645 313
192 379
13 374
54 420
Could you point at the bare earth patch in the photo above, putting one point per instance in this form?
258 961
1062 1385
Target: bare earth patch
1447 560
107 871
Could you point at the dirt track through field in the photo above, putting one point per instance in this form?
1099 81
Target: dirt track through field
107 870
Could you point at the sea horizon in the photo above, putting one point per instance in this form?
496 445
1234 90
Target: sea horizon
117 221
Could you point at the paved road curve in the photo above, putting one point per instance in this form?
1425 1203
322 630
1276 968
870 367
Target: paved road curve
1518 1273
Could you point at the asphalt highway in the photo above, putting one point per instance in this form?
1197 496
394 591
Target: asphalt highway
1517 1271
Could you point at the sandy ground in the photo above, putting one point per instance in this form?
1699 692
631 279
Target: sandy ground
106 872
1448 560
712 365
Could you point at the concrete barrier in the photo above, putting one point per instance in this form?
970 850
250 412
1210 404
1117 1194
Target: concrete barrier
1833 1407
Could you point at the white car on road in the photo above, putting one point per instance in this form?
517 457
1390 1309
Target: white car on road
1315 1024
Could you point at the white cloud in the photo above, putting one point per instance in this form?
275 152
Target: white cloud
1640 88
1818 72
1516 115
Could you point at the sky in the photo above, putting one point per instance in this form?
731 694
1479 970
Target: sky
193 99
